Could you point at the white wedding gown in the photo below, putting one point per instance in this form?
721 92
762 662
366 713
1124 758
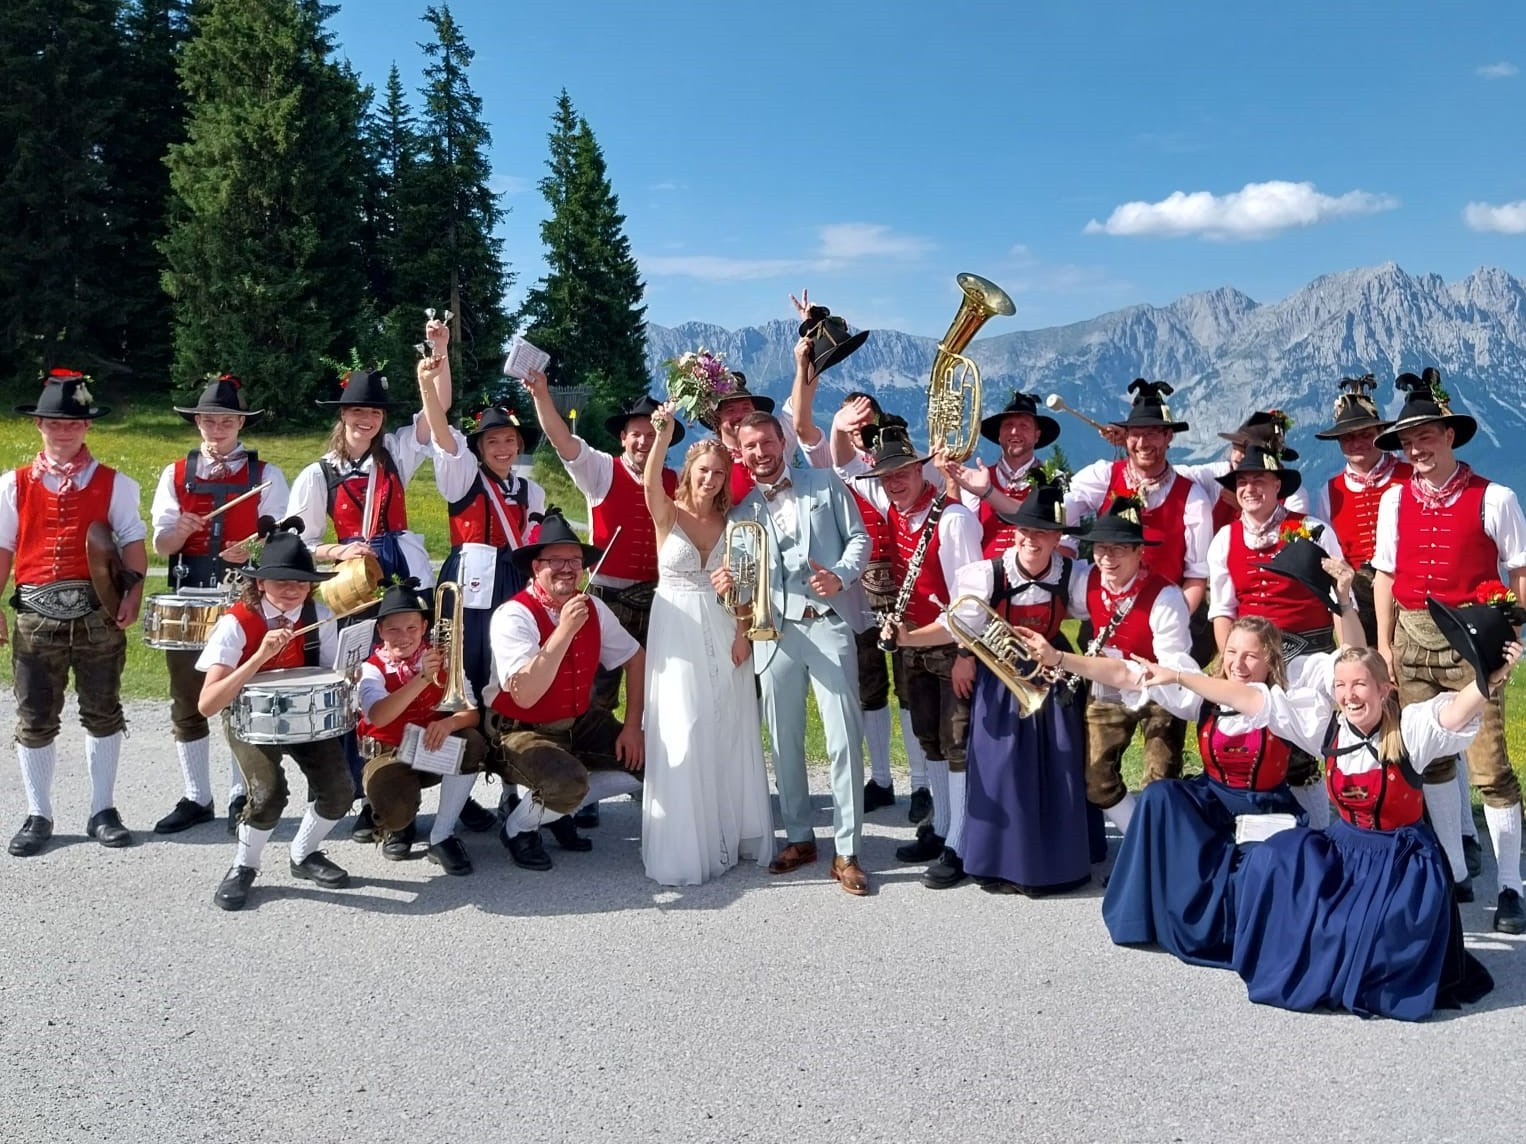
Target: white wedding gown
705 797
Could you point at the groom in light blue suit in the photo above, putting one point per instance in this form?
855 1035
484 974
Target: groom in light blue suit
817 548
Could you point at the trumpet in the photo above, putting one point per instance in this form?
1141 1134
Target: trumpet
1003 653
1057 403
953 396
450 635
745 556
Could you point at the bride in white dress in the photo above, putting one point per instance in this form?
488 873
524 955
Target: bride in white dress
705 800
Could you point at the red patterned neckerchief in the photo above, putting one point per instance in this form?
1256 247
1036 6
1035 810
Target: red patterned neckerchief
1142 486
1111 600
543 598
924 501
404 669
65 471
221 466
1375 476
1433 497
1260 536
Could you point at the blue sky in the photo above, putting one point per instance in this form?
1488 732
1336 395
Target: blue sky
1085 156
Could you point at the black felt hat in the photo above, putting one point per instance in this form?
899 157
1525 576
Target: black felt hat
1264 427
65 397
405 597
1426 401
1259 459
1022 403
363 387
1043 509
284 557
222 396
1302 561
891 450
501 417
830 340
871 433
1479 632
738 392
1355 409
1122 523
1150 410
643 406
554 529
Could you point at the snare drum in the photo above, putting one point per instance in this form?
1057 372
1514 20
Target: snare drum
297 705
182 621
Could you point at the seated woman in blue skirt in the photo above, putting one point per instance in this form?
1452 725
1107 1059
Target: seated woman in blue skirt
1360 915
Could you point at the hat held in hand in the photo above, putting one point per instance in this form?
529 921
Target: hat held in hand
1302 561
830 340
1478 632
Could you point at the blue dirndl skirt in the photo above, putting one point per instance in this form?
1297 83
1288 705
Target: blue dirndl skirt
1352 919
1174 884
477 650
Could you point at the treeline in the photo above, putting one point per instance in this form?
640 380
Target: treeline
193 186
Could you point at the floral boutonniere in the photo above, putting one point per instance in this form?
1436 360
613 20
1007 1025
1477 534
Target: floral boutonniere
1295 530
1494 592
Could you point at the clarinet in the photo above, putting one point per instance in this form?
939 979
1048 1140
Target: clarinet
913 570
1099 641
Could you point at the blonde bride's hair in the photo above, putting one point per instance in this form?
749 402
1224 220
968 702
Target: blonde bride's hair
721 502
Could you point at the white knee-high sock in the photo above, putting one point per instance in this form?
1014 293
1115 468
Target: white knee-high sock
937 777
1121 813
528 815
311 833
101 761
1465 793
916 761
454 791
955 836
37 765
1446 820
1504 824
1315 803
608 784
251 844
196 768
877 736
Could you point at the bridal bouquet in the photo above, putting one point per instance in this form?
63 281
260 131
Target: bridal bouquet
697 382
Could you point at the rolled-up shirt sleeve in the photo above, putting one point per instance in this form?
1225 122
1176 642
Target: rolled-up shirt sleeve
1505 524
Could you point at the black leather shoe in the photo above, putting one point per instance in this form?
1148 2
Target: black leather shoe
185 815
587 817
877 797
1509 914
565 831
317 868
236 812
921 808
233 892
526 850
925 848
33 836
399 844
107 829
1463 891
946 873
364 829
1473 855
450 856
477 818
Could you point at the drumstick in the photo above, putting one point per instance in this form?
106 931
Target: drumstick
594 571
352 612
254 492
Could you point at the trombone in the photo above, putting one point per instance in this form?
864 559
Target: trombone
745 556
450 636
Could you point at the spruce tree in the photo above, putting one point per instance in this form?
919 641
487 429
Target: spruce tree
587 310
263 246
392 152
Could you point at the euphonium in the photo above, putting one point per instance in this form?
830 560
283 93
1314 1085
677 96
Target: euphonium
953 397
449 636
746 556
997 646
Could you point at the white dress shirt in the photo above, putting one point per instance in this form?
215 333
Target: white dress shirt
225 642
310 491
121 513
1502 521
372 688
977 579
165 508
457 469
959 532
515 640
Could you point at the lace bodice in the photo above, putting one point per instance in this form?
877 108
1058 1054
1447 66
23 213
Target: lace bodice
678 564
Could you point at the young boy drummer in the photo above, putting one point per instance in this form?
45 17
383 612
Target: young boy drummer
200 553
256 635
403 684
63 623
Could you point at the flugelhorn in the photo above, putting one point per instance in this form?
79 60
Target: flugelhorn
1057 403
449 637
953 395
998 647
745 556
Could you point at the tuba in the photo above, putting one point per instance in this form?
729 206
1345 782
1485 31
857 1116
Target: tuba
746 557
953 396
998 647
449 635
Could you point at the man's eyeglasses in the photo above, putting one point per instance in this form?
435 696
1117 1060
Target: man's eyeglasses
565 563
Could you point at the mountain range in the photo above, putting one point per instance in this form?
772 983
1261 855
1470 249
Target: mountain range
1225 353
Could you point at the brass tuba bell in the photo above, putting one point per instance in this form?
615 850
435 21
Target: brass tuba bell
745 555
953 396
998 647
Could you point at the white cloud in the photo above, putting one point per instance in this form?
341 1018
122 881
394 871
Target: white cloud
854 240
1257 210
1502 70
1504 218
670 185
710 268
838 246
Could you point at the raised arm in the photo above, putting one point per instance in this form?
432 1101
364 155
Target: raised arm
803 395
437 334
561 438
1109 672
1463 709
435 415
658 503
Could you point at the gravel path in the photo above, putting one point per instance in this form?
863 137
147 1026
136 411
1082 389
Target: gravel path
589 1004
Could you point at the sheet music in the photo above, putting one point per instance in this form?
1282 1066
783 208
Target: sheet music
524 358
1260 827
445 761
354 645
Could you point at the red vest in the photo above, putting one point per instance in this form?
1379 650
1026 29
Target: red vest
572 691
1354 515
634 555
1042 617
50 529
1162 524
421 711
1256 760
238 522
252 620
474 520
881 542
1225 509
996 535
741 481
920 609
1289 606
1446 553
1133 636
347 502
1384 798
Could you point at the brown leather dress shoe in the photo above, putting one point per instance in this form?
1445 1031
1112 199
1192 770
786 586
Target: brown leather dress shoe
792 857
850 875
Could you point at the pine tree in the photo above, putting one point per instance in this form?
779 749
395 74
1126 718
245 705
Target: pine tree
263 247
59 71
392 152
587 312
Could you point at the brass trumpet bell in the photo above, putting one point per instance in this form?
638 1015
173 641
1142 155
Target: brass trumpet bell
953 395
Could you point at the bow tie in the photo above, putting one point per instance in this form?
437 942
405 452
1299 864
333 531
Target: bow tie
771 491
1023 583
